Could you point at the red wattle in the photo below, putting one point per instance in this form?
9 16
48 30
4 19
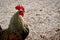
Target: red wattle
22 14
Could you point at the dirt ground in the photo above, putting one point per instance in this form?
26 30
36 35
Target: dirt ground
42 16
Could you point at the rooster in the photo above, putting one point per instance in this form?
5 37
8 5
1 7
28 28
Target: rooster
18 29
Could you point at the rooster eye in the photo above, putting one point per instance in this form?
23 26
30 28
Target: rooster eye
22 11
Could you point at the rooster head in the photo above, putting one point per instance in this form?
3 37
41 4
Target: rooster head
21 9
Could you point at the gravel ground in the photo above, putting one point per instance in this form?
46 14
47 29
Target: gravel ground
42 16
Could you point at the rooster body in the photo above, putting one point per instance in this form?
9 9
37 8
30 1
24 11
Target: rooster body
17 30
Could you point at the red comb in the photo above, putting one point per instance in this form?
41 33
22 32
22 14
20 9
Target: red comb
19 7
